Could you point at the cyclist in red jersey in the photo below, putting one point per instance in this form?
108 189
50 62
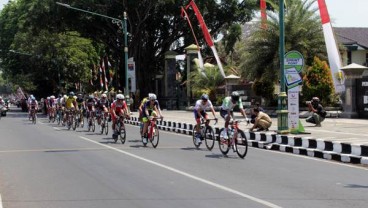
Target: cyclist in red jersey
118 107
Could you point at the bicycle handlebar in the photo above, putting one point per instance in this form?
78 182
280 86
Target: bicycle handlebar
210 119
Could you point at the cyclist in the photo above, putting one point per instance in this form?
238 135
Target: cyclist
70 104
91 102
200 113
81 106
29 105
227 107
52 106
150 106
33 105
101 106
140 109
118 107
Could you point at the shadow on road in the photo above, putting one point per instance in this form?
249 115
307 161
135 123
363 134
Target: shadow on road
355 186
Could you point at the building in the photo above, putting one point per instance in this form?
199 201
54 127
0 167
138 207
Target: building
355 40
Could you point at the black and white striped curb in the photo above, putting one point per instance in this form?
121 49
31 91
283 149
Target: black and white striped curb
308 146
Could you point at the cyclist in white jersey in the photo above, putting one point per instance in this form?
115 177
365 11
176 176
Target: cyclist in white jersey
227 107
200 113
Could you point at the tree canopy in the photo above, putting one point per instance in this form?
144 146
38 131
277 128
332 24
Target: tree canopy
54 35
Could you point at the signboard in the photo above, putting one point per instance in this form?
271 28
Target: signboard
131 75
294 63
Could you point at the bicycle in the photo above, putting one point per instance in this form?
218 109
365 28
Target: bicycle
79 118
70 119
59 115
236 139
206 133
153 135
52 114
33 116
120 129
104 125
91 121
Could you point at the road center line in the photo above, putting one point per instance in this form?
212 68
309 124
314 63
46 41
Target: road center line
224 188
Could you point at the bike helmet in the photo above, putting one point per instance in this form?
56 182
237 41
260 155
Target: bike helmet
152 96
204 97
71 94
235 96
48 98
91 97
33 98
104 96
120 97
52 97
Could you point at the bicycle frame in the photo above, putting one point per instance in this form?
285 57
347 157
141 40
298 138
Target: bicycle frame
237 140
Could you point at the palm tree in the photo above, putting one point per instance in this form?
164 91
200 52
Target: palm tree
303 32
207 84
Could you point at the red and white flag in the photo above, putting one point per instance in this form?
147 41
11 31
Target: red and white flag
185 16
104 74
263 14
206 34
334 58
101 82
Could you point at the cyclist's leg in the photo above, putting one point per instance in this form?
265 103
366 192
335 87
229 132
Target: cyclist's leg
198 121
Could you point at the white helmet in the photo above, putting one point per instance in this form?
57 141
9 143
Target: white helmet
52 97
152 96
104 96
48 98
120 97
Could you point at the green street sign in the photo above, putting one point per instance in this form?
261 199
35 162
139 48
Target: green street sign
294 59
293 65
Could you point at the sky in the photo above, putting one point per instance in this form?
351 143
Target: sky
343 13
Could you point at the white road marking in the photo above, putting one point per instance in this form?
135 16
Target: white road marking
224 188
1 202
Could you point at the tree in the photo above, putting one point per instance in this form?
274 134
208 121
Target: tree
39 59
317 82
207 84
303 32
154 26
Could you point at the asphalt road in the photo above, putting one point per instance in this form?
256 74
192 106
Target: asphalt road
45 165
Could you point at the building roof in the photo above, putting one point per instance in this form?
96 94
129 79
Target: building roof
352 35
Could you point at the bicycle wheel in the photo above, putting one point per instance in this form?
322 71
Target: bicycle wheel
194 138
224 144
69 122
93 124
34 119
106 127
122 133
209 138
75 123
155 137
241 144
81 121
58 117
102 126
89 124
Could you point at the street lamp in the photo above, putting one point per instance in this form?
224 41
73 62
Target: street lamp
282 112
115 21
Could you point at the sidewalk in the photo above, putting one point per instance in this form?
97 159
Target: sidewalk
338 139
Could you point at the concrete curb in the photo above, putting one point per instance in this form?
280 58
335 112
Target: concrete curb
307 146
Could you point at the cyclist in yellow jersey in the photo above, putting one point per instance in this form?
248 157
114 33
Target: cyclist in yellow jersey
70 104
